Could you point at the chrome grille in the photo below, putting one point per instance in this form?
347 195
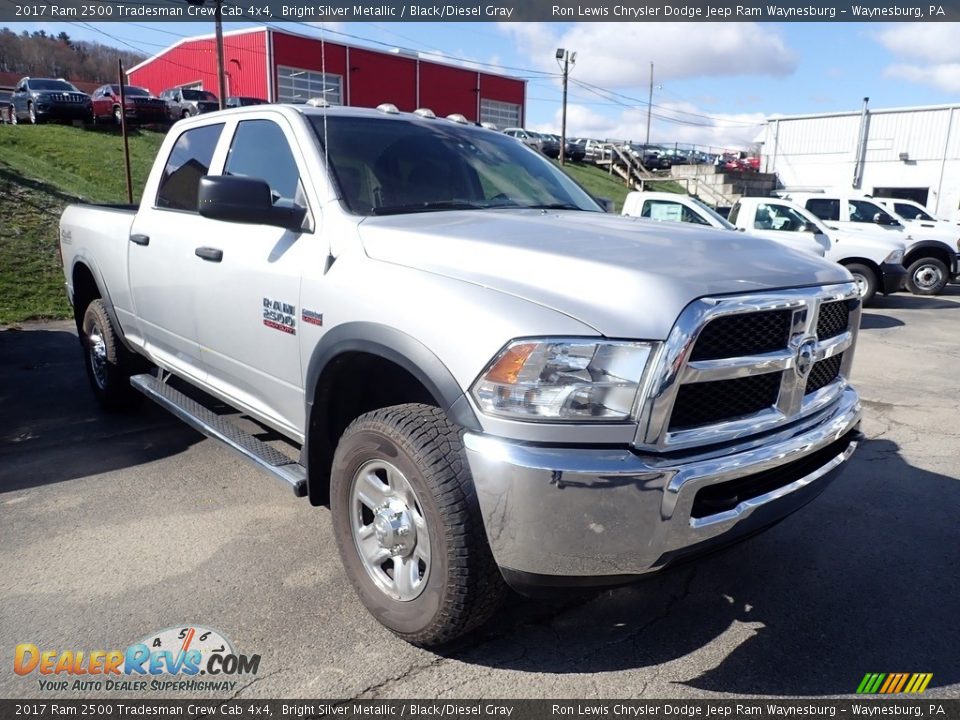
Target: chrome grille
736 366
739 335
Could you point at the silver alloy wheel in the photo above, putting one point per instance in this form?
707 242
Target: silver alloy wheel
33 113
13 116
389 530
927 277
98 356
117 118
863 285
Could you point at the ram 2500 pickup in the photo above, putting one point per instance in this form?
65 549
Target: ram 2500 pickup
486 378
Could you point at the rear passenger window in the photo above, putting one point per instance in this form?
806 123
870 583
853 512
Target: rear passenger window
260 150
824 208
188 162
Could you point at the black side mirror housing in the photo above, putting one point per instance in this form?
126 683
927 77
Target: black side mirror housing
606 203
882 218
245 200
811 228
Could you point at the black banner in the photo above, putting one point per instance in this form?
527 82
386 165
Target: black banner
479 11
514 709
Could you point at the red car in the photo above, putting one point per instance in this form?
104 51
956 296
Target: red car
141 106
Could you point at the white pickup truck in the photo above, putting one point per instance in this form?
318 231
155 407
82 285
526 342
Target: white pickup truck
489 380
930 261
875 263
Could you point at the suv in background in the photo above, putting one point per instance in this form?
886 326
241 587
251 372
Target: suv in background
528 138
140 104
187 102
37 100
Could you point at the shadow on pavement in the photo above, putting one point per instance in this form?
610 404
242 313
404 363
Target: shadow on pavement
51 428
875 321
805 609
947 300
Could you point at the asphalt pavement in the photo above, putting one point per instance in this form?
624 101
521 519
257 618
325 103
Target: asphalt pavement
115 527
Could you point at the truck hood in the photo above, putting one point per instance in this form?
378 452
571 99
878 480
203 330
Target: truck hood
622 278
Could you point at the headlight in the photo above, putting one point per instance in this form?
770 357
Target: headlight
563 380
894 258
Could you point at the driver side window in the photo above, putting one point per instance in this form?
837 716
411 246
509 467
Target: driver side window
260 150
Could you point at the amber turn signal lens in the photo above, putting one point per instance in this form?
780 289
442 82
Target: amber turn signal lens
506 369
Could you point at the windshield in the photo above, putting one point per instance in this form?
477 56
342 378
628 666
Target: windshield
911 212
199 95
388 166
130 90
52 85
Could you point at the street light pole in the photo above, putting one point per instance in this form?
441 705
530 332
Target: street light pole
650 104
221 75
568 60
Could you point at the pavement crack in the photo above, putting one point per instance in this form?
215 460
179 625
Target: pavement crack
255 680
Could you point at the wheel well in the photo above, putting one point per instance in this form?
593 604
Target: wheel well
352 383
941 254
85 291
862 261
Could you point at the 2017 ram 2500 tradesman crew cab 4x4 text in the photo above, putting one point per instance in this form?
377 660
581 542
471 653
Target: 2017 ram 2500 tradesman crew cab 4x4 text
489 380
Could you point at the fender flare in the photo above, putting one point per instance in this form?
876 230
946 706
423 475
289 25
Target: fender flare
91 266
391 344
940 247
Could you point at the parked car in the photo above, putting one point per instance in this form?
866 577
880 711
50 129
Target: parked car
651 157
548 145
239 101
6 107
527 137
931 258
187 102
541 396
37 100
595 149
876 263
141 105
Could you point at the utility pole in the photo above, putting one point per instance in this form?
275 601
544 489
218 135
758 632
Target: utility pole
221 75
650 104
568 60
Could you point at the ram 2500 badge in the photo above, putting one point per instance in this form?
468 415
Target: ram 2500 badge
487 379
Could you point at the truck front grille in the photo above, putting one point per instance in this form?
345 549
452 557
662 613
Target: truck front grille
737 366
709 402
824 373
739 335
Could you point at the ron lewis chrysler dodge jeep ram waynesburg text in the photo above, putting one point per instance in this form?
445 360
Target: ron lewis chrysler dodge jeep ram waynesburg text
486 378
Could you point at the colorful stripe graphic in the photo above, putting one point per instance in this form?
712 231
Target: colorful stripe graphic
890 683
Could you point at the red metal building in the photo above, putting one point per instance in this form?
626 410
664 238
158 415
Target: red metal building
283 66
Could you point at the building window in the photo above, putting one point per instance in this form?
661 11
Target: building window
501 114
298 86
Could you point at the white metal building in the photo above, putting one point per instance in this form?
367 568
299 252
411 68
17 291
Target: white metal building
911 152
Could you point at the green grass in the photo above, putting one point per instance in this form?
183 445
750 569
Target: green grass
600 183
42 169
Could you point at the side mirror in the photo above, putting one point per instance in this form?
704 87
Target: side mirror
882 218
606 203
811 228
245 200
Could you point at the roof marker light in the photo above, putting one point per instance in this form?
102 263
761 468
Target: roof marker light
388 108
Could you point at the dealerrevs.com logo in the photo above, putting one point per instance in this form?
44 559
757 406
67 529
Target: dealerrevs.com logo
188 658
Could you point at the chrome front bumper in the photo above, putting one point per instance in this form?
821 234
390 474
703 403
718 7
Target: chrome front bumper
570 516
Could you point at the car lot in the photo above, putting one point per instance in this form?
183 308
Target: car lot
115 527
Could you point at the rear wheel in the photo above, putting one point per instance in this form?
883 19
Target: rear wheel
408 526
866 280
927 276
109 364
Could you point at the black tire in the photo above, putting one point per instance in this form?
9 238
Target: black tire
462 586
109 364
866 278
927 276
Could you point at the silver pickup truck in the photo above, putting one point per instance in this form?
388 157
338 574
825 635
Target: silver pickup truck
487 379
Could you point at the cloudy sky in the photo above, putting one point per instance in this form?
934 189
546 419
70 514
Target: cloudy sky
713 83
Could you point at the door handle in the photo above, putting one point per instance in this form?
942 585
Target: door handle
208 253
140 239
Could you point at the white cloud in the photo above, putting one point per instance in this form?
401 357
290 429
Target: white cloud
722 131
933 50
618 55
944 76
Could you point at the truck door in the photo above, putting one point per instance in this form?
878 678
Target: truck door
161 255
249 288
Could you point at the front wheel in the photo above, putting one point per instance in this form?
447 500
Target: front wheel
408 526
109 364
32 114
866 280
927 276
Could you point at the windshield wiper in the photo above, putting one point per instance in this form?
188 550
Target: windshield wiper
427 207
552 206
